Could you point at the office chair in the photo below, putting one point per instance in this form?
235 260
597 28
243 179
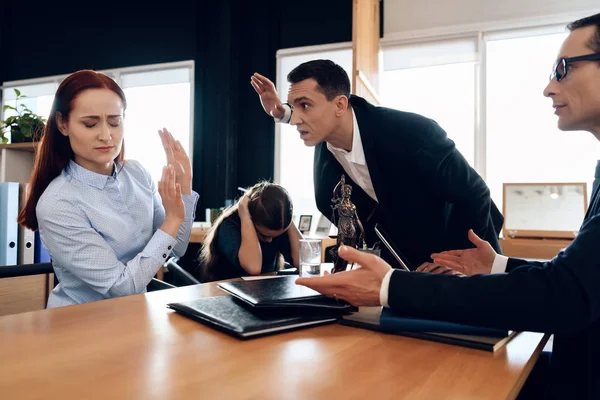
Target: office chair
180 277
12 271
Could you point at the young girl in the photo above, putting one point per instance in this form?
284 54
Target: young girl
250 237
101 218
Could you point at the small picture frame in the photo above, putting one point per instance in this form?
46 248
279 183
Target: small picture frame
304 223
323 226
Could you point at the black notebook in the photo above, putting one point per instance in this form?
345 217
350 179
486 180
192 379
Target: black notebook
236 318
384 320
281 292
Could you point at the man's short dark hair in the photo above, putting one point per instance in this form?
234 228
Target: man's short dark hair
594 20
331 78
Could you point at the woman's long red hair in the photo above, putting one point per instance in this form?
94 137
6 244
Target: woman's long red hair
54 150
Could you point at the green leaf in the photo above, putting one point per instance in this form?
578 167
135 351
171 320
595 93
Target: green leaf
4 140
8 107
18 92
10 120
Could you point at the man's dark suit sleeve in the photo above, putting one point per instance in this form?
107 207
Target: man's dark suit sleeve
562 296
514 263
448 175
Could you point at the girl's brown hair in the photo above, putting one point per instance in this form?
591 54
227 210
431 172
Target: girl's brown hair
270 206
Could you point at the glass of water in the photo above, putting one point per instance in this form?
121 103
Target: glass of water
310 257
376 251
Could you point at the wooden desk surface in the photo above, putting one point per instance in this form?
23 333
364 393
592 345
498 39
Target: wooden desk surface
135 348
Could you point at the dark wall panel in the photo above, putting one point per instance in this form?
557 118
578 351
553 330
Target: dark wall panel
228 40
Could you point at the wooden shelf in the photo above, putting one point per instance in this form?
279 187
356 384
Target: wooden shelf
24 293
540 249
29 146
198 234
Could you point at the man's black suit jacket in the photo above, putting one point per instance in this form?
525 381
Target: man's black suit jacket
428 195
561 296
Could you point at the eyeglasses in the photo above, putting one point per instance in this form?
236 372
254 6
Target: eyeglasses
562 66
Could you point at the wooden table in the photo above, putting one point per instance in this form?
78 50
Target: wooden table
135 348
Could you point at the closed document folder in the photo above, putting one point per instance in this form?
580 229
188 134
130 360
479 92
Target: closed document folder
232 316
281 292
384 320
9 232
26 235
40 253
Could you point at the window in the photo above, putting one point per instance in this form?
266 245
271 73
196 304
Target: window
294 161
436 80
523 141
157 96
156 99
39 98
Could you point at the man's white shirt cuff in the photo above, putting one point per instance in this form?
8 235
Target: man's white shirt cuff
286 117
385 288
499 265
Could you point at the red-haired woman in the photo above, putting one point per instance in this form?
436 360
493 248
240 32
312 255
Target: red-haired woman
101 218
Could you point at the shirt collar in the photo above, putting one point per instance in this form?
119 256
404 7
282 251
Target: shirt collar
89 177
356 155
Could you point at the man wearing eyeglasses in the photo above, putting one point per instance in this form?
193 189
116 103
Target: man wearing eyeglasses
561 296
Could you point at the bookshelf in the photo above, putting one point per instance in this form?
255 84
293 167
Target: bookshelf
27 293
16 162
27 147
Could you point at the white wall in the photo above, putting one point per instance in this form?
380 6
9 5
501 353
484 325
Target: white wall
410 15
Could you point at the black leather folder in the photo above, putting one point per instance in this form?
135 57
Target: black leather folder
281 292
239 319
384 320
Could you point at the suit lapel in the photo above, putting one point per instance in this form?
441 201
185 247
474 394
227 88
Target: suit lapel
326 168
327 173
593 207
366 128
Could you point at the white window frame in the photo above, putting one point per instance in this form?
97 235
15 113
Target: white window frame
482 32
485 32
116 73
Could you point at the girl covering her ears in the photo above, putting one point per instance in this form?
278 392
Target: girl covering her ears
252 236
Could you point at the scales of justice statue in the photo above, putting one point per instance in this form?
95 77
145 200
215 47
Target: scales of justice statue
350 229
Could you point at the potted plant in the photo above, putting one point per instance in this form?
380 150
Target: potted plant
26 126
